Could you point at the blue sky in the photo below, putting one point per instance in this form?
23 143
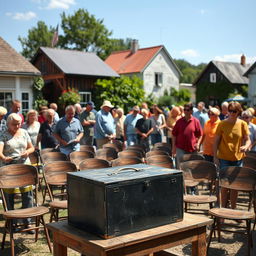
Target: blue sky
195 30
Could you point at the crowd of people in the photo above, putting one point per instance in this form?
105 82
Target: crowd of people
221 134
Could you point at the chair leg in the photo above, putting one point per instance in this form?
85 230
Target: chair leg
37 230
211 233
249 236
11 237
186 207
46 234
4 235
218 228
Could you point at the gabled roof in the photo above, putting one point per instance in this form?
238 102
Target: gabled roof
125 62
231 70
79 63
250 69
13 63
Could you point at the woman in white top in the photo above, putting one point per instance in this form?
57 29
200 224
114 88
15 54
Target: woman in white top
158 124
32 125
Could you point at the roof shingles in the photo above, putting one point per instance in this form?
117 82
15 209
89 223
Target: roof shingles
13 62
125 62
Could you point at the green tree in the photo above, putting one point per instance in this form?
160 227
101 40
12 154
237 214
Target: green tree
190 72
38 36
82 31
124 91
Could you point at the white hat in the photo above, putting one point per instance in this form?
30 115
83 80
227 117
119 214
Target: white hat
107 103
215 111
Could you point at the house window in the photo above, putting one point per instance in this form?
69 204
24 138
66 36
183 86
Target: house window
213 77
158 79
6 99
25 102
85 97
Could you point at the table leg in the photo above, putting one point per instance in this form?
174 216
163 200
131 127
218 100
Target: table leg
59 249
199 246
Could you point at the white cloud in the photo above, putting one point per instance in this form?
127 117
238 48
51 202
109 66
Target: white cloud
202 11
235 58
21 16
190 53
60 4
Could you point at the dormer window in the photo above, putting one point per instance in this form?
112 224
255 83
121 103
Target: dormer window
158 79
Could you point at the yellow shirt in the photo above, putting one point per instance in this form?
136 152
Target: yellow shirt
231 139
209 134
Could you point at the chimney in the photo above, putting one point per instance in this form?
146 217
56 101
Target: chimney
134 45
243 60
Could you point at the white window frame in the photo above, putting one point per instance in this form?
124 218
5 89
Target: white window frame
88 98
24 110
4 103
158 79
213 78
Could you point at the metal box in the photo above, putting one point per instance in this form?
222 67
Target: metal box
119 200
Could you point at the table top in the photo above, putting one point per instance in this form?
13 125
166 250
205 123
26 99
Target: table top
189 222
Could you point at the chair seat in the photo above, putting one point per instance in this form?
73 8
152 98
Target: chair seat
199 199
59 204
25 213
191 183
231 214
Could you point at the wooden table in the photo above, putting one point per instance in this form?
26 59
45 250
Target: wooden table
147 242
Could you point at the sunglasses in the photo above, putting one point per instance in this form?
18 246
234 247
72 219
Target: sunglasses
187 109
211 114
232 111
246 117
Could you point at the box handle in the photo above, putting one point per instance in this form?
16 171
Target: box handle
126 169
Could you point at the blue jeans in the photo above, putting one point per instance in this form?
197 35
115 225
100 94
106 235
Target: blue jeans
226 163
131 139
155 138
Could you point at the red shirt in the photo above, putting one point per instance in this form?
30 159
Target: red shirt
187 133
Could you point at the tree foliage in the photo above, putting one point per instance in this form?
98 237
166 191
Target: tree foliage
81 31
124 91
38 36
174 97
37 93
190 72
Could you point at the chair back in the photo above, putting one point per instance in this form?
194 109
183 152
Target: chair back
106 154
93 163
112 145
250 162
18 175
163 144
34 158
238 178
55 173
160 160
137 147
87 148
126 161
130 153
53 156
156 153
199 170
119 144
162 148
78 156
192 156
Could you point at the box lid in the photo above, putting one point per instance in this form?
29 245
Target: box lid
123 173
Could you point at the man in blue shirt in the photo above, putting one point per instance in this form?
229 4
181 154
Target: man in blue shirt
105 129
69 132
201 114
130 121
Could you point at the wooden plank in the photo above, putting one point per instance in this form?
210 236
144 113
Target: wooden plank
53 76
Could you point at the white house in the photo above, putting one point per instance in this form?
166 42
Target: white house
153 65
16 77
251 74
